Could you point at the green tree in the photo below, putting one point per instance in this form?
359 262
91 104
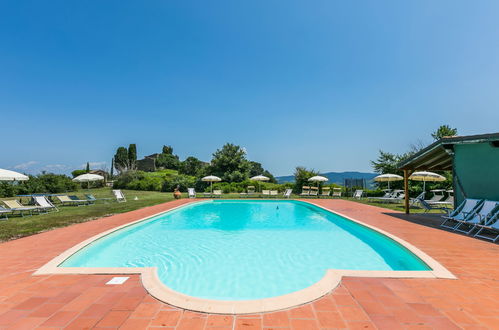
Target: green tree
443 131
256 169
121 159
167 150
132 156
87 169
302 175
191 166
230 163
75 173
112 169
388 163
168 161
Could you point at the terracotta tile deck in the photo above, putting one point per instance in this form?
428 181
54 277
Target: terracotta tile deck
84 301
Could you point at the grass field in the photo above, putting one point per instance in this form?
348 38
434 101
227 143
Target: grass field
17 226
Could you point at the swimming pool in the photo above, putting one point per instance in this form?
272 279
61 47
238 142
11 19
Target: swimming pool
246 250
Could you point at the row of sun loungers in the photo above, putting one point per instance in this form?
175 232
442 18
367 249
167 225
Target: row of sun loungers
307 191
477 215
218 193
41 204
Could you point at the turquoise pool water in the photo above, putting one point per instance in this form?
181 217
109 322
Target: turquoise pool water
241 250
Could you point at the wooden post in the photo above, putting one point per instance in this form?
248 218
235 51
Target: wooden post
406 191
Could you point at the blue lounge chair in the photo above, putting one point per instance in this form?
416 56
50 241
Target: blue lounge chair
480 215
460 213
492 226
429 207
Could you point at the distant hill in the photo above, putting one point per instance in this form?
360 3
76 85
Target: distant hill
334 177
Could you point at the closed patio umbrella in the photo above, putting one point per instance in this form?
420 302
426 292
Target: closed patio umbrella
6 175
211 179
88 177
388 178
426 177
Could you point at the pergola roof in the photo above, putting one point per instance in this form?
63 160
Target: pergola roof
438 155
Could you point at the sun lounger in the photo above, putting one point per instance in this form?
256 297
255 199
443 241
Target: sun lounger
274 193
336 192
91 198
207 194
448 201
305 191
250 192
430 207
15 206
314 192
287 193
217 193
438 195
480 215
394 196
265 193
326 192
3 213
491 226
460 213
191 192
358 194
44 203
65 200
78 199
120 197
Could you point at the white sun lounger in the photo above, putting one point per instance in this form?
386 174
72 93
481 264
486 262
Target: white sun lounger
44 203
191 192
358 194
120 197
287 193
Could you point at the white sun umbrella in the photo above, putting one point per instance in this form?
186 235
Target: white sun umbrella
6 175
318 178
426 177
211 179
388 178
260 178
88 177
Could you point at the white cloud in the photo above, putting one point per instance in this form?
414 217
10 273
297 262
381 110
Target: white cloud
25 166
94 165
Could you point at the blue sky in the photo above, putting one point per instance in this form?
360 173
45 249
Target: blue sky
322 84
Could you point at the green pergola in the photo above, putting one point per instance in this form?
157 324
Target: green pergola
473 160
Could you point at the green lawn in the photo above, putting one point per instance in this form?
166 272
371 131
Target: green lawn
17 226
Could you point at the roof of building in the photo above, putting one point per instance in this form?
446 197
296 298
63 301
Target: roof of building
438 155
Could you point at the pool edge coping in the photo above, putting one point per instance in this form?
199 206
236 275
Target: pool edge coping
162 292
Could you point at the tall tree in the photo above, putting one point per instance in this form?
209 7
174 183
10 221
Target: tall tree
191 166
230 163
302 175
121 159
443 131
87 169
167 150
132 156
256 169
112 169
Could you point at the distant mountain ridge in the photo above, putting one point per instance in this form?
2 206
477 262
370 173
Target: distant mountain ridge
334 177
